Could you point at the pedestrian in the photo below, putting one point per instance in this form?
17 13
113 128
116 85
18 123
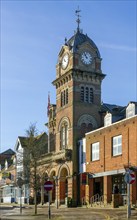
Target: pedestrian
115 190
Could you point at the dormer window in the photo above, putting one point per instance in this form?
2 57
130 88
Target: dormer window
130 110
108 119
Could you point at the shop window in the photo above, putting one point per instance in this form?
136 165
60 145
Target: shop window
119 181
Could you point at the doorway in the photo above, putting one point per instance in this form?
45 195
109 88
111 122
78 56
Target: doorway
98 186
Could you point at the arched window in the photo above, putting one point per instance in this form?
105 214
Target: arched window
64 97
89 127
86 123
86 94
64 136
61 99
82 94
91 96
83 129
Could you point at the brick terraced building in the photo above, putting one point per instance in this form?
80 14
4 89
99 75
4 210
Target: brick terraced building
110 150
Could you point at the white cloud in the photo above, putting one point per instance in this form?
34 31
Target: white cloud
118 47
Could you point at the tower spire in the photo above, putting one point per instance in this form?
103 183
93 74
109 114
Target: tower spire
78 18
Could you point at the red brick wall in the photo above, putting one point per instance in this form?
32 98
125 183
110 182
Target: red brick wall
107 162
128 130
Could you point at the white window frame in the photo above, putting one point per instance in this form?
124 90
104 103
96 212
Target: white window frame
117 145
95 151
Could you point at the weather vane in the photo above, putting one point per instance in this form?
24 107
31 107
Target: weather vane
78 17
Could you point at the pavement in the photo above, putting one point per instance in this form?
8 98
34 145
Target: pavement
12 212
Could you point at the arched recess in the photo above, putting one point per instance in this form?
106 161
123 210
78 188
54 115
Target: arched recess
63 129
61 167
44 196
64 119
52 179
86 123
63 183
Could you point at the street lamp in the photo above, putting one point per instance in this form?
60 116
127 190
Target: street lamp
56 178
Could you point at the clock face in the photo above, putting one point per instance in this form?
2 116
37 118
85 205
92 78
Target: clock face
86 58
65 61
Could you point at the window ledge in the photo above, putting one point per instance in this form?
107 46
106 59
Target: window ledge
117 155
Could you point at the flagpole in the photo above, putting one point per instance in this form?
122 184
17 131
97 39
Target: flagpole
48 123
48 137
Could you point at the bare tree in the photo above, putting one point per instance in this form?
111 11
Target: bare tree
35 147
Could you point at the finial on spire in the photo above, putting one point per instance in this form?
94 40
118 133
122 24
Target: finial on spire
78 17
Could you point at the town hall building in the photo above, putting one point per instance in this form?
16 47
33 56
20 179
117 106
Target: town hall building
78 110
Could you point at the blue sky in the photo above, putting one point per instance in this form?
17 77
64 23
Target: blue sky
32 33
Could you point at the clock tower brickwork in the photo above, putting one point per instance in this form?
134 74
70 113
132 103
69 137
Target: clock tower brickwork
77 111
78 95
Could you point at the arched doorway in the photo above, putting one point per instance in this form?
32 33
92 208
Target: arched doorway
53 192
45 192
63 185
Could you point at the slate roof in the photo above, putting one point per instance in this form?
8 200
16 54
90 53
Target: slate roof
118 112
79 38
22 141
41 141
8 152
6 155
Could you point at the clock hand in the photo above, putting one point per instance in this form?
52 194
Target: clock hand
86 55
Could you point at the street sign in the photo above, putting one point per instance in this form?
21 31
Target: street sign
129 178
48 185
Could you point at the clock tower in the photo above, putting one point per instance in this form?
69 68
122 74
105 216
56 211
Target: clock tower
78 95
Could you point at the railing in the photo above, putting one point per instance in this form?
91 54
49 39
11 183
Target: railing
102 199
97 199
83 201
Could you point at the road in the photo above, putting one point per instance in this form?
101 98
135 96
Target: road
13 213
